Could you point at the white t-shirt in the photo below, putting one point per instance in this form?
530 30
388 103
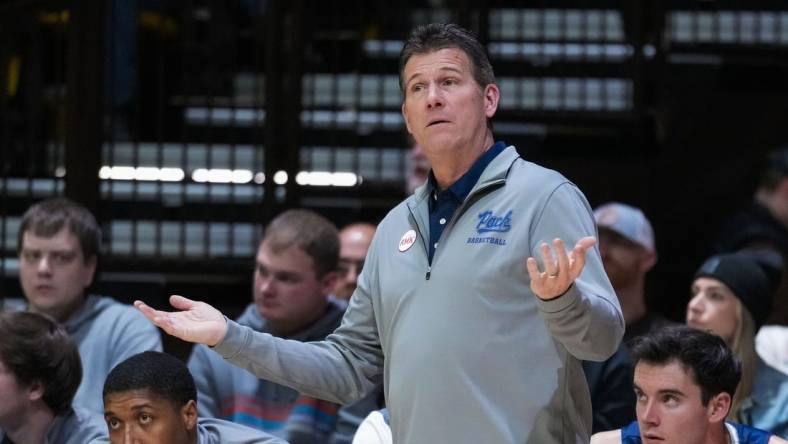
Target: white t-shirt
771 344
373 430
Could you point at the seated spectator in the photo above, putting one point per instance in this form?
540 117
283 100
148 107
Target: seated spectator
151 398
294 274
731 296
40 371
58 244
354 241
685 382
626 244
764 225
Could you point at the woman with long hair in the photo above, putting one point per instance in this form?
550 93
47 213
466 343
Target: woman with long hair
731 296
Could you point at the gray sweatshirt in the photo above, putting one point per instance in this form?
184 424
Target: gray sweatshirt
76 426
217 431
466 351
107 333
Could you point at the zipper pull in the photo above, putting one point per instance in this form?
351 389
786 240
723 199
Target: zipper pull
429 271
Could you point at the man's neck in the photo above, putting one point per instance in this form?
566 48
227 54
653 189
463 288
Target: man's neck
718 435
284 329
449 168
62 315
32 427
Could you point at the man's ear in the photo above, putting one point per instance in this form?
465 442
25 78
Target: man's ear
648 260
189 415
718 408
328 282
491 97
36 391
90 271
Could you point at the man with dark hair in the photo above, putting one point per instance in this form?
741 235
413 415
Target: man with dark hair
294 275
40 371
151 398
58 245
684 382
448 289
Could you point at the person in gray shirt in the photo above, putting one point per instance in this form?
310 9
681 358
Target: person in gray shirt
58 243
151 398
40 371
473 338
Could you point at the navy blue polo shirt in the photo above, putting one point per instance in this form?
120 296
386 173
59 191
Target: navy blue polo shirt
443 203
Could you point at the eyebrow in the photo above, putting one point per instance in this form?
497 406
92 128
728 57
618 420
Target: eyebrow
708 287
54 250
443 68
135 407
662 391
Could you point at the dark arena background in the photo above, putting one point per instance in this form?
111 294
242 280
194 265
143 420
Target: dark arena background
186 125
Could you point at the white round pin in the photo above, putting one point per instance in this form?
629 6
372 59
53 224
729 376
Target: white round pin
407 241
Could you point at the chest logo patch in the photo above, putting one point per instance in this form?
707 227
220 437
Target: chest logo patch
488 223
407 241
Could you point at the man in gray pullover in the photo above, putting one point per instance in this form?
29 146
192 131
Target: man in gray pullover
473 342
59 242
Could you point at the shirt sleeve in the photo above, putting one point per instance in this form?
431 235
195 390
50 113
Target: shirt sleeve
587 319
342 368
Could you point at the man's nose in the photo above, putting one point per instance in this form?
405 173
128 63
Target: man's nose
352 274
650 414
128 436
265 285
434 96
44 265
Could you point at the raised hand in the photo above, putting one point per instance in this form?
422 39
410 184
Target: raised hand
560 273
196 322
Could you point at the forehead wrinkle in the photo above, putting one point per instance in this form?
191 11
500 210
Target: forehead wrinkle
442 68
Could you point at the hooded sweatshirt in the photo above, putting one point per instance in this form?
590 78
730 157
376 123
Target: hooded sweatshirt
75 426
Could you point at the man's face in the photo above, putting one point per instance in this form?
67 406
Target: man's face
713 307
354 242
14 399
54 273
445 110
669 407
142 417
625 261
287 291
